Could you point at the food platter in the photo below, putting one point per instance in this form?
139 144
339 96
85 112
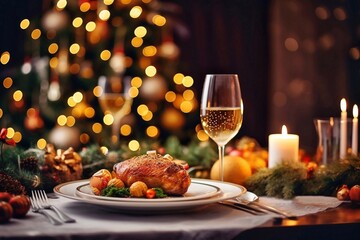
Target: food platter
227 191
197 190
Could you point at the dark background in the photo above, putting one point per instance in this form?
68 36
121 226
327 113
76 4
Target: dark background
247 38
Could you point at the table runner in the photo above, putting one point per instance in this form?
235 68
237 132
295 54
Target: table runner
214 221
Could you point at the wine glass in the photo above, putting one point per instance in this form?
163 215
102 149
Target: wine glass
221 110
115 100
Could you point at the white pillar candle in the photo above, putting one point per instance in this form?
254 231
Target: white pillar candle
343 128
283 147
354 143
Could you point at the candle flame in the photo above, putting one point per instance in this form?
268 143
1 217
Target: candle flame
343 105
355 111
284 130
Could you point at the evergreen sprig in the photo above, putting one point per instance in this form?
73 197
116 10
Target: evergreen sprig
290 179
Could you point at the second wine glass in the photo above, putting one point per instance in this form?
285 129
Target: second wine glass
221 110
115 100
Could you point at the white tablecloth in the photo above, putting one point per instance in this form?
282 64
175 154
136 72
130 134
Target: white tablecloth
214 221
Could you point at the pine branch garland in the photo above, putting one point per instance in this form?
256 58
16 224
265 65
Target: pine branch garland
288 180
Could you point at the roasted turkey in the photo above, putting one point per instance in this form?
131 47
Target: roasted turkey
154 170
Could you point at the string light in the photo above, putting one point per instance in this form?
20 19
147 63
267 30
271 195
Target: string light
24 24
134 145
8 82
135 12
5 58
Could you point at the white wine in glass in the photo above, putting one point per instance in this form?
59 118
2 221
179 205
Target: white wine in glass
221 110
115 100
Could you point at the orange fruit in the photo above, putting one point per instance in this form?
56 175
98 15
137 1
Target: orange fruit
236 170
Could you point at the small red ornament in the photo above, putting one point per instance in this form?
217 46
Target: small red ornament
343 193
6 212
5 196
21 205
355 193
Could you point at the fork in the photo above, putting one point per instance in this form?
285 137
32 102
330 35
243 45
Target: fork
35 207
44 202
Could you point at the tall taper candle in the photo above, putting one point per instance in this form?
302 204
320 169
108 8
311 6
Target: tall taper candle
354 143
343 128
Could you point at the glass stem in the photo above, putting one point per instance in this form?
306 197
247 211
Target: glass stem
221 157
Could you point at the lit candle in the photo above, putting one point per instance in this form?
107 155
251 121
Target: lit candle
343 128
283 147
354 143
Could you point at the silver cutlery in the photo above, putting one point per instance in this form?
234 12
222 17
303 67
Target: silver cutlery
35 207
243 207
250 198
43 200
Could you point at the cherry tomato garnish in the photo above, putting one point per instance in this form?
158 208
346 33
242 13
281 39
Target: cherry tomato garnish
150 193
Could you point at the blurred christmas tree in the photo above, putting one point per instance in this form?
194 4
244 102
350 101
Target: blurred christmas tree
53 97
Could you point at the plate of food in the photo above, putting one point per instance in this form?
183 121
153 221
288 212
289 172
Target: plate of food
128 186
196 190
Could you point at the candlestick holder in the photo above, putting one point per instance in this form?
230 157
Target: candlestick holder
329 138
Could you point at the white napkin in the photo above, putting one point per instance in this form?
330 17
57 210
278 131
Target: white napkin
302 205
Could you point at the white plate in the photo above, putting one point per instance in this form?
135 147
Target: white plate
228 191
196 190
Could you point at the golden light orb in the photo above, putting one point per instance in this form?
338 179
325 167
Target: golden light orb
108 2
53 63
142 110
5 57
152 131
159 20
105 55
74 48
150 71
35 34
41 143
17 137
97 91
18 95
148 116
10 132
70 121
71 102
108 119
90 26
170 96
178 78
53 48
125 130
24 24
97 128
61 120
135 12
136 42
187 81
78 97
77 22
149 51
61 4
136 82
140 31
133 92
202 136
8 82
104 14
89 112
85 6
134 145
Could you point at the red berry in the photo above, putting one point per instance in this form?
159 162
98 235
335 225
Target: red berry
21 205
6 212
5 196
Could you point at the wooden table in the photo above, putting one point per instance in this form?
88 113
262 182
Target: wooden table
337 223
